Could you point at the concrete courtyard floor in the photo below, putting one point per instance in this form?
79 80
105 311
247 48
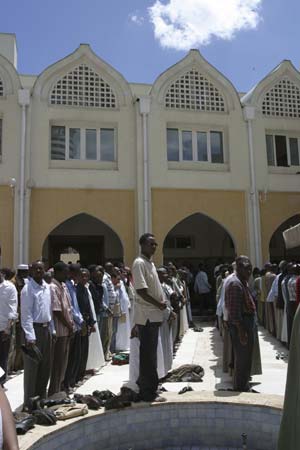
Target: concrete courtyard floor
205 349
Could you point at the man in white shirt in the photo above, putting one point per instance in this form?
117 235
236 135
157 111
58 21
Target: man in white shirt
8 314
148 315
202 288
36 319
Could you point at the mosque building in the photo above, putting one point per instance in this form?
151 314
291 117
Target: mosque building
89 161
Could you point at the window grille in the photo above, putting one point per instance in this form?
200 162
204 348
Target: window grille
194 92
283 100
1 88
84 88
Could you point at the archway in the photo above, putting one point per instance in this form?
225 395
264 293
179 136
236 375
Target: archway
277 247
198 238
84 238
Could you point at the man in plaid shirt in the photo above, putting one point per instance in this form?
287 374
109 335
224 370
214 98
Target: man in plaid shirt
241 321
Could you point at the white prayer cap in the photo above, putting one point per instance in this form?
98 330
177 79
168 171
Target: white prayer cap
23 267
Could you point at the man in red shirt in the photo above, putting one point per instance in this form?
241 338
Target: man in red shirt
241 321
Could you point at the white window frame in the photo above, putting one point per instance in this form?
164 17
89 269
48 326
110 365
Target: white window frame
83 161
287 136
194 131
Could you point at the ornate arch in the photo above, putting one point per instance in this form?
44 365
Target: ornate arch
278 94
9 78
204 80
84 63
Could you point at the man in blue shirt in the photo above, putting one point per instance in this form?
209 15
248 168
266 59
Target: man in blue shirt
75 344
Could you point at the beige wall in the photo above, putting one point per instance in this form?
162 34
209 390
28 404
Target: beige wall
51 207
6 226
277 208
228 208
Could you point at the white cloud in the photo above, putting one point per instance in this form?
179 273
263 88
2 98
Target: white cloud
184 24
136 18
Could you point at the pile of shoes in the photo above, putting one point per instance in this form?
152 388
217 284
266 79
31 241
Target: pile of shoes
24 422
111 400
120 359
91 401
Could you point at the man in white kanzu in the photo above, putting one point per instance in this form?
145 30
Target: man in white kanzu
148 316
8 314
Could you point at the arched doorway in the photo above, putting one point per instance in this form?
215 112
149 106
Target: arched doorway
84 238
277 248
198 238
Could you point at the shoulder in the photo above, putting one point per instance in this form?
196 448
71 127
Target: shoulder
9 287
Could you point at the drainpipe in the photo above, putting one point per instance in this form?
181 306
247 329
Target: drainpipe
249 115
24 100
144 111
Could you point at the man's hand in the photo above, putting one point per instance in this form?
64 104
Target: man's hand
243 337
30 343
163 305
134 332
172 316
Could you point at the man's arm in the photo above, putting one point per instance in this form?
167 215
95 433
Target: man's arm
10 441
145 296
27 314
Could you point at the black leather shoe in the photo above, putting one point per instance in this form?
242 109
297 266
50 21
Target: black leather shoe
25 425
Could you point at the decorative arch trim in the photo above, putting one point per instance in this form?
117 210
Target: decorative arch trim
278 94
9 78
207 217
203 72
83 57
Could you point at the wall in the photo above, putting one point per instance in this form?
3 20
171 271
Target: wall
228 208
6 226
170 426
51 207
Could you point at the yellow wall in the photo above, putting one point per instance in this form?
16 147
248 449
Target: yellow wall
51 207
6 225
276 209
228 208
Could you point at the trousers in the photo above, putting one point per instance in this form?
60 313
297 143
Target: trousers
36 375
59 364
242 354
148 377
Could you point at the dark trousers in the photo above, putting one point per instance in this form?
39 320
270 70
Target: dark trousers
73 360
148 378
84 346
60 356
106 335
5 340
290 314
203 301
36 375
242 355
115 323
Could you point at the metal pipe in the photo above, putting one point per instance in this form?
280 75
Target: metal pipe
22 186
146 173
249 115
24 99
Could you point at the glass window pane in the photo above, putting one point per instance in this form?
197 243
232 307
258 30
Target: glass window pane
187 146
281 151
294 151
74 143
91 144
58 143
216 147
172 144
202 146
270 150
107 144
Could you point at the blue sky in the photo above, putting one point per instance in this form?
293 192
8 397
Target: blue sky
244 39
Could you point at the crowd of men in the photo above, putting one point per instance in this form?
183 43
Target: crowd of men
50 320
59 324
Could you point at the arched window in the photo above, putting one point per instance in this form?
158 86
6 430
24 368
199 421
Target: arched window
1 88
84 88
283 100
193 91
